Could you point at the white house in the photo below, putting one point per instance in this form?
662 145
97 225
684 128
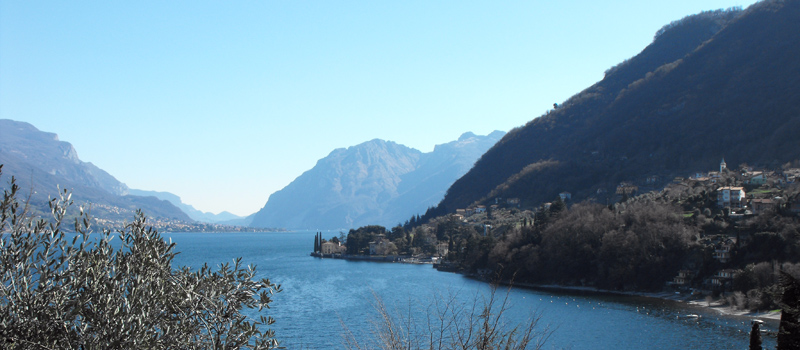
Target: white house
732 197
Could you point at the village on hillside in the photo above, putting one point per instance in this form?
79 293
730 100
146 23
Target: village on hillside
717 202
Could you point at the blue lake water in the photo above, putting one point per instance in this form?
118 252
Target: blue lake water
323 296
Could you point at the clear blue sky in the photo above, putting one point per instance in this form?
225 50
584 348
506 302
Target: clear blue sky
225 102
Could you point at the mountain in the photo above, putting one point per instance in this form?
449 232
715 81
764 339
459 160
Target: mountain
376 182
21 143
193 213
40 162
721 84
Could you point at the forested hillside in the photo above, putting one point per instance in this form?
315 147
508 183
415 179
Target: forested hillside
718 84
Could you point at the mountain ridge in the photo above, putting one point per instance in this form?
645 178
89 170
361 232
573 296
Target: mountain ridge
40 161
694 95
375 181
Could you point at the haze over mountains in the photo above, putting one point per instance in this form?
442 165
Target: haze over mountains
197 215
718 84
376 182
721 84
40 162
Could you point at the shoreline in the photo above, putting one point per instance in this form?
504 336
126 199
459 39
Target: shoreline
402 259
715 305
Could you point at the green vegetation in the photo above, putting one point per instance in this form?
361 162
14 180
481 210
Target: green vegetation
117 290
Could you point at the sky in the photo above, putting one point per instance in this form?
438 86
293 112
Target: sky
224 103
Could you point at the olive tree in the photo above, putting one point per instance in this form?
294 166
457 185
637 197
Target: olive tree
117 290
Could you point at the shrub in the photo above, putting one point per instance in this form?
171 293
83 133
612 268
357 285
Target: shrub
451 324
86 290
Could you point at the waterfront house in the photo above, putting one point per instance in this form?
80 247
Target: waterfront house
722 277
442 248
333 248
684 278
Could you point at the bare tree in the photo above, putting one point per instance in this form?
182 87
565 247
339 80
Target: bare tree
447 323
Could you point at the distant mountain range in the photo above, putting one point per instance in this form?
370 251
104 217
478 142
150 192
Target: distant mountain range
40 162
376 182
718 84
197 215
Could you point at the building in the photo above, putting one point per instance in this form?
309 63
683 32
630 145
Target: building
756 178
722 277
333 248
732 197
442 248
723 250
565 196
791 175
684 278
759 205
794 205
627 189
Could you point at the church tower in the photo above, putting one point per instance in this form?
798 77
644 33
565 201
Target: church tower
722 165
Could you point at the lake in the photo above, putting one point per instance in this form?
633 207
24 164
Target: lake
322 296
